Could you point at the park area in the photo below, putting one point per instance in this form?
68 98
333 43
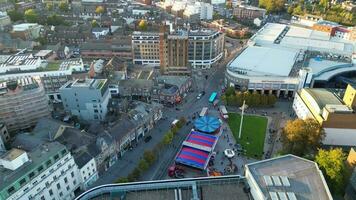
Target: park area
253 133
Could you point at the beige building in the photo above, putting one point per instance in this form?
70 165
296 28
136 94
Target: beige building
248 12
174 58
22 103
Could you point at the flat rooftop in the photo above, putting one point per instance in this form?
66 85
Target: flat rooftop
207 188
290 174
262 61
323 97
12 154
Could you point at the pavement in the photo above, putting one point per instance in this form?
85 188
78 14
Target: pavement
190 105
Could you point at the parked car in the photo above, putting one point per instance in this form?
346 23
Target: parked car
148 138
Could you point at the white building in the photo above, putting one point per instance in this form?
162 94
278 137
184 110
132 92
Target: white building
281 58
88 99
203 10
87 169
75 64
19 63
100 32
286 177
218 2
46 172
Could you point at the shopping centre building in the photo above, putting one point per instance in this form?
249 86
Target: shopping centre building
280 59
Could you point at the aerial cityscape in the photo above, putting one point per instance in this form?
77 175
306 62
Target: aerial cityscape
177 99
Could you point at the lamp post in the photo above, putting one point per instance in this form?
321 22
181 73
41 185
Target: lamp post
242 117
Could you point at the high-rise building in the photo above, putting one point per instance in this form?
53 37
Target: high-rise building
175 54
88 99
46 172
206 47
202 48
22 103
146 48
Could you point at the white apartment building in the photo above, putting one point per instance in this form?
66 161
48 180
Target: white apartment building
46 172
87 169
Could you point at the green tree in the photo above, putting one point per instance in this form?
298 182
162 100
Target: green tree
174 130
55 20
122 180
332 163
230 91
49 6
143 165
142 25
324 3
168 138
63 6
302 136
134 175
272 5
42 40
271 100
31 16
94 23
149 156
15 15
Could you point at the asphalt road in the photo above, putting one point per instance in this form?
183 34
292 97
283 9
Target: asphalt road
190 105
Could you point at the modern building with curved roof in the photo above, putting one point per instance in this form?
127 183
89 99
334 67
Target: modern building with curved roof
280 59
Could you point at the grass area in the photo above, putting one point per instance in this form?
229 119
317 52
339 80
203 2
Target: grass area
53 65
253 133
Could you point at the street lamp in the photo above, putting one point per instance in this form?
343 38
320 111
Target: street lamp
242 117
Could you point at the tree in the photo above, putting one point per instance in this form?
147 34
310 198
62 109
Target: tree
55 20
168 138
142 25
143 165
31 16
49 6
134 175
122 180
149 156
301 136
272 5
99 10
15 15
230 91
331 162
94 23
63 6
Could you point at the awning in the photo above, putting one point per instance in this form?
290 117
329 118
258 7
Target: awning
193 157
207 124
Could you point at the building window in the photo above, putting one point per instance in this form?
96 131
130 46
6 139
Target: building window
72 174
42 198
22 181
65 180
64 152
50 192
31 175
67 188
40 168
58 186
61 194
56 157
74 182
10 190
48 163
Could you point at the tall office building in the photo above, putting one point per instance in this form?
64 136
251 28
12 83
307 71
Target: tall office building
206 47
46 172
88 99
202 48
175 54
22 103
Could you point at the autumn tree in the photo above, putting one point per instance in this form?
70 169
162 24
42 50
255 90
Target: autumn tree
63 6
168 138
332 163
149 156
142 25
301 136
31 16
272 5
99 10
94 23
230 91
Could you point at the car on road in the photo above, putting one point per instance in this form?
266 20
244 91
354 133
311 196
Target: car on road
148 138
199 96
178 109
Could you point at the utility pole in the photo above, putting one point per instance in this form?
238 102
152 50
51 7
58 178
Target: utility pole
242 118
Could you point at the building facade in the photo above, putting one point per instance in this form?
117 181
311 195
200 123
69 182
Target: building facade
46 172
87 169
22 103
52 84
87 99
248 12
146 48
205 48
4 133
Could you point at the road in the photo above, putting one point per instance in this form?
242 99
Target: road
189 106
